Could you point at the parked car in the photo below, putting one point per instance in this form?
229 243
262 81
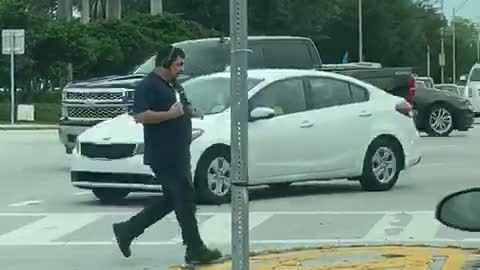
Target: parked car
303 125
473 88
439 112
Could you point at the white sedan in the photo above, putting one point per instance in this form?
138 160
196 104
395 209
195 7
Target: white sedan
303 126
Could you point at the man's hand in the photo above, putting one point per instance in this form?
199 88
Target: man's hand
176 110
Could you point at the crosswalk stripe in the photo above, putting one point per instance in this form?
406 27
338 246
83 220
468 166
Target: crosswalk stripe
48 229
394 226
423 226
217 229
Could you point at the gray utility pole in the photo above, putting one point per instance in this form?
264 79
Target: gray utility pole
85 13
454 51
454 41
428 61
442 48
239 134
360 31
156 7
114 9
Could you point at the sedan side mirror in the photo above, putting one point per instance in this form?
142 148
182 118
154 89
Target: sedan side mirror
261 113
460 210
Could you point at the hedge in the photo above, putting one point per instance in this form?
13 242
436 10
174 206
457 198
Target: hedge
44 112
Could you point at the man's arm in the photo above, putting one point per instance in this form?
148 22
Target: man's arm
151 117
142 108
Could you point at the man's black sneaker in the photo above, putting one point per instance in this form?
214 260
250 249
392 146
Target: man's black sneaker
123 237
202 255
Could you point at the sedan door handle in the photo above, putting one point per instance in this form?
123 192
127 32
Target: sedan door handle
306 124
365 114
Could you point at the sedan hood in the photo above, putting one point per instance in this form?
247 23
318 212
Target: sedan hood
123 129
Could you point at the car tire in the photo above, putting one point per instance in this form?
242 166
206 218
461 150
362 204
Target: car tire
107 195
212 176
383 155
441 113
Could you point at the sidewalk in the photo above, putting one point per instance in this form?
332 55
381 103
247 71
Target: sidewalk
26 126
360 258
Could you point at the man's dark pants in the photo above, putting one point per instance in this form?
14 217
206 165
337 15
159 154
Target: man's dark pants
174 174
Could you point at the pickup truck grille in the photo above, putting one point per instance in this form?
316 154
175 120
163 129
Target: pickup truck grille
108 151
96 112
94 96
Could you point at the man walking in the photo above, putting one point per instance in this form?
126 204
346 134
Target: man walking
167 127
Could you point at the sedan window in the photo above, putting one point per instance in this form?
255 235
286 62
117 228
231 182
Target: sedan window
285 97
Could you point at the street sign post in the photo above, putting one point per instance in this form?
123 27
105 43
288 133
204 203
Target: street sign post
239 134
13 42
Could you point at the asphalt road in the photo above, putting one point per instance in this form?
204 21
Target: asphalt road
45 223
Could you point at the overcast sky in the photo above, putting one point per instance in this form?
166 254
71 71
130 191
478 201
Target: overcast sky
470 10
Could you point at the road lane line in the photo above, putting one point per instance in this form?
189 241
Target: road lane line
217 229
25 203
47 229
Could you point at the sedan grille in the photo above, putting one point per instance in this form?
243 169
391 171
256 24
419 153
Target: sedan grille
96 112
108 151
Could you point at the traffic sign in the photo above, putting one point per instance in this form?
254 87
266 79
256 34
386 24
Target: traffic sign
13 38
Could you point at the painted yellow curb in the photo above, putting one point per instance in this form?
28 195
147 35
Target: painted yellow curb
386 257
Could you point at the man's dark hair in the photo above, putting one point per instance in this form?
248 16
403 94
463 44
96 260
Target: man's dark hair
166 55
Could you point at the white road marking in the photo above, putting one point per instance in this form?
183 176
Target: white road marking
392 227
423 226
47 229
217 229
80 193
25 203
380 212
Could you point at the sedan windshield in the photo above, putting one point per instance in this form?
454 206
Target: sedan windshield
212 95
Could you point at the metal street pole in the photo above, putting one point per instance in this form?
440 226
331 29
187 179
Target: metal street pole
428 60
12 79
239 134
454 54
478 47
360 31
442 48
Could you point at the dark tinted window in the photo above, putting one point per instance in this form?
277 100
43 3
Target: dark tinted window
329 92
285 97
200 58
475 75
359 94
283 54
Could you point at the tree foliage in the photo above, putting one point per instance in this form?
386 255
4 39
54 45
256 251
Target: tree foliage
396 33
